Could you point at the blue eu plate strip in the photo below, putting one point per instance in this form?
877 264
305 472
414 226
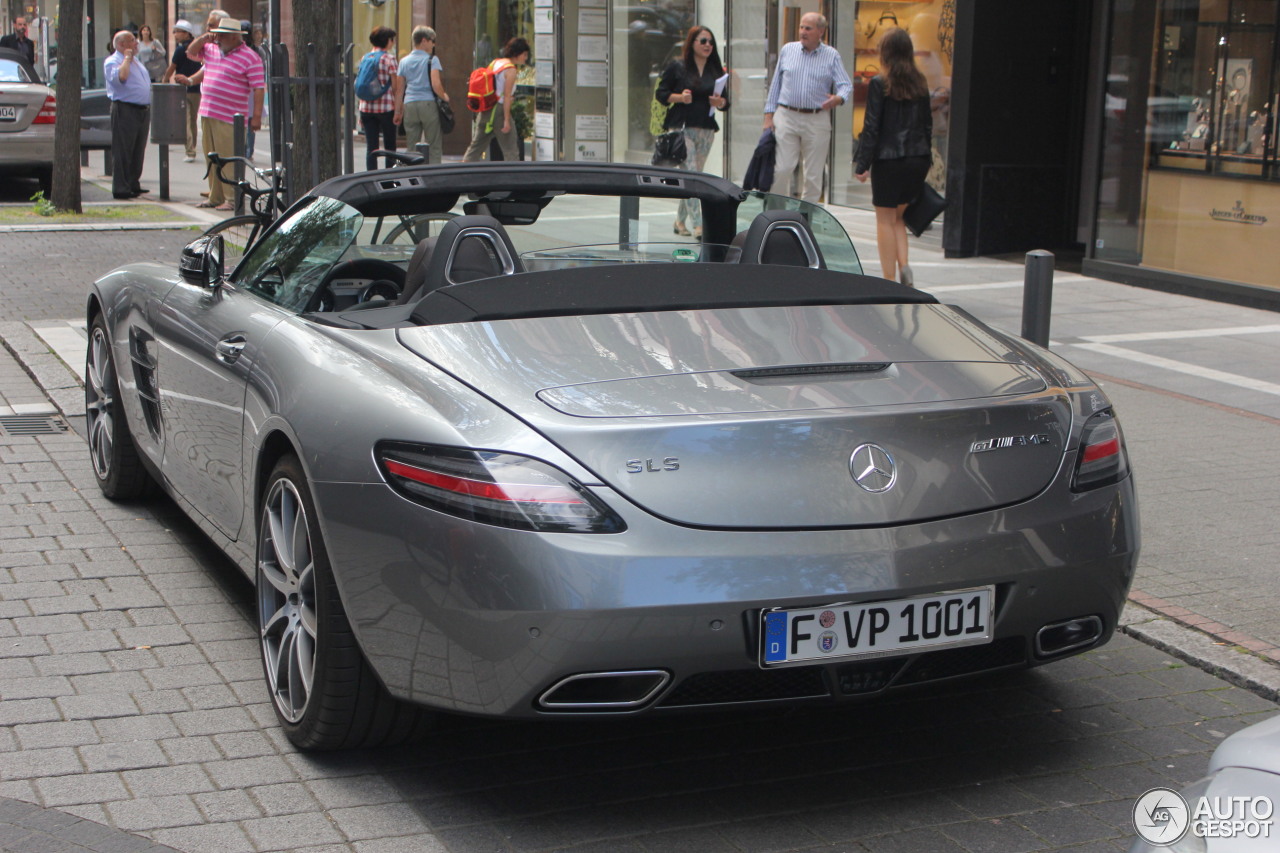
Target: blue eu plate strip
775 637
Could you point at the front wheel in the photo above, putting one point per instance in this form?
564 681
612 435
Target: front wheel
116 463
324 692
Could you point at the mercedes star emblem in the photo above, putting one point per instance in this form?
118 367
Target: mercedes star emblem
873 468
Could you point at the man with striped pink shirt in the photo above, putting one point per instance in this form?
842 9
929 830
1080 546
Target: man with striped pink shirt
232 82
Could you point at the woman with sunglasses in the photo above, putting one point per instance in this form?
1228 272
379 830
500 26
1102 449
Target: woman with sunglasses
688 87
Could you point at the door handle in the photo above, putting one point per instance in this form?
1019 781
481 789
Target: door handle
230 348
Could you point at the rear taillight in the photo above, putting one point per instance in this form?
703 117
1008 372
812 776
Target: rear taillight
1102 458
494 488
48 113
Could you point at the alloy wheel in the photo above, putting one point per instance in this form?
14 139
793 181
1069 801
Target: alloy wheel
100 385
287 600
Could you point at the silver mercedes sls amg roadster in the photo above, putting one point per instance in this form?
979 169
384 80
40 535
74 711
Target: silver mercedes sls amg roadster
488 440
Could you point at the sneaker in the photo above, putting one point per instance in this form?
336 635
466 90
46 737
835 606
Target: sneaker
188 159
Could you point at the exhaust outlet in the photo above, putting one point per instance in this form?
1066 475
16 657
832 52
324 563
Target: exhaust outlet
605 691
1059 637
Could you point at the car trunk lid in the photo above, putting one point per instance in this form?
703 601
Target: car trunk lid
20 103
775 418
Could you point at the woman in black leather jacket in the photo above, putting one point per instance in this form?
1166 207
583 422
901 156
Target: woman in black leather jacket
688 87
897 133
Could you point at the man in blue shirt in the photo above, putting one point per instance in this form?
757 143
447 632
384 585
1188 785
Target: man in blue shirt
417 86
809 82
129 88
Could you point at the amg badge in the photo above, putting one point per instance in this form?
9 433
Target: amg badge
1008 441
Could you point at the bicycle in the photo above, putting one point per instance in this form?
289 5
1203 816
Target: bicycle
266 203
412 229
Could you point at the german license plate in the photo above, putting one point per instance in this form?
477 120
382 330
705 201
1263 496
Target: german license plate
8 113
875 629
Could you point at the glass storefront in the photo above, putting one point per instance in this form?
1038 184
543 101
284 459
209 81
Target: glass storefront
1189 169
931 26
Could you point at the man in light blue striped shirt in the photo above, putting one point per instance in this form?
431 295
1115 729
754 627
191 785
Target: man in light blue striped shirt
809 82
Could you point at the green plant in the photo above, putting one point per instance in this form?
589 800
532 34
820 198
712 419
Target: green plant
44 207
522 116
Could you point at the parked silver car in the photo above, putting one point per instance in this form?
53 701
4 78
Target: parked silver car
28 110
1233 808
488 440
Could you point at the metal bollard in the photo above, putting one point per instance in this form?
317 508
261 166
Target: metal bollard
237 148
424 148
1037 297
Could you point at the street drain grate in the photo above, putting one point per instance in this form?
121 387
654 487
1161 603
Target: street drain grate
18 425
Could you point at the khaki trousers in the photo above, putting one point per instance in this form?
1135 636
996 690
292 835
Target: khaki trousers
422 124
219 138
803 138
193 125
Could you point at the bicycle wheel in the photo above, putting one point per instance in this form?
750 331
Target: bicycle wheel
415 229
238 234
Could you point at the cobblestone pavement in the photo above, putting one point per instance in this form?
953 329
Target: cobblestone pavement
132 712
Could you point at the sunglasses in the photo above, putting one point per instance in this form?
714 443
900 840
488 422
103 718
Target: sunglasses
706 41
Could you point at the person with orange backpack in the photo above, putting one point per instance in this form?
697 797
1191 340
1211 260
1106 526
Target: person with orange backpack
489 92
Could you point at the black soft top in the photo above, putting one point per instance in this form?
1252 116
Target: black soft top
632 288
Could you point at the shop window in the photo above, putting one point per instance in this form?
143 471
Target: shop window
1213 97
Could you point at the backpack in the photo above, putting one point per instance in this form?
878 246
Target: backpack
482 91
367 86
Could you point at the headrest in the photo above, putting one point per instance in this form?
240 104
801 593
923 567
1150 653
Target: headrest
470 248
781 237
416 274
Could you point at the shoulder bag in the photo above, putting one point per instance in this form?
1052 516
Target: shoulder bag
447 120
669 147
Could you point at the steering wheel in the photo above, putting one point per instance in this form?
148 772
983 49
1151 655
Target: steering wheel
384 274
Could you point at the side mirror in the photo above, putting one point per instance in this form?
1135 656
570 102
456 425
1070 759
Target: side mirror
201 261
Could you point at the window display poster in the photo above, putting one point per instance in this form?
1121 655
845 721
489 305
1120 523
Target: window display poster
593 47
544 46
544 150
593 22
544 124
544 20
544 73
591 127
593 74
596 152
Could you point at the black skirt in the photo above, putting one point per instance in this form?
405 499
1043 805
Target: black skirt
899 181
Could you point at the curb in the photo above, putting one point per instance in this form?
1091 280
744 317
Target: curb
1208 652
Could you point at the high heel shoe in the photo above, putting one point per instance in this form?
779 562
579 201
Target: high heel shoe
679 228
905 276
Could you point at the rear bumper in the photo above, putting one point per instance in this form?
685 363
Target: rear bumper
28 149
483 620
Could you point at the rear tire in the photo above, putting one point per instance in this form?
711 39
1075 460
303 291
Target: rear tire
323 690
116 462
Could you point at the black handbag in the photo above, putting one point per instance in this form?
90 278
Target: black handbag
920 214
669 149
447 118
